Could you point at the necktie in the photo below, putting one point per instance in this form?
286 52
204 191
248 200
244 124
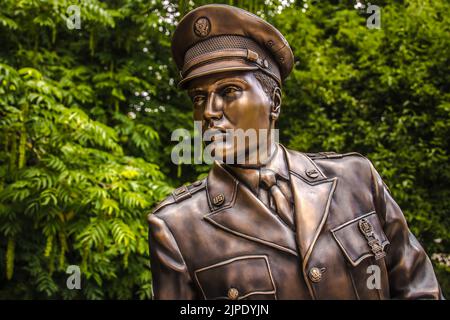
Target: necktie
282 204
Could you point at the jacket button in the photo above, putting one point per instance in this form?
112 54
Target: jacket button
312 173
315 274
197 183
233 294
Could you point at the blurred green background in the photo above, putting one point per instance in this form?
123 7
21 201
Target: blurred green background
86 116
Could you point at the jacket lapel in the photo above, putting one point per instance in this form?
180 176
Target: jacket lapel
312 192
243 214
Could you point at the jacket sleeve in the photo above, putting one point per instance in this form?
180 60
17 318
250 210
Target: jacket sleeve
410 272
170 276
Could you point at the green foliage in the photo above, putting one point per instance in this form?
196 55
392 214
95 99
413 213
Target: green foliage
77 177
85 116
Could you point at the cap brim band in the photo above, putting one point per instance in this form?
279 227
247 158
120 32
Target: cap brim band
221 66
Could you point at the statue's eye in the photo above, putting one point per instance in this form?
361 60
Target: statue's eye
230 91
198 99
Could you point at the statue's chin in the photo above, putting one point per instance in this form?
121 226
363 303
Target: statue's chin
228 153
230 156
220 152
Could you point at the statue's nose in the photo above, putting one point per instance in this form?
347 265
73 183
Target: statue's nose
213 110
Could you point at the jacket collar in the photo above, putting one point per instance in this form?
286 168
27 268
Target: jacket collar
251 176
234 208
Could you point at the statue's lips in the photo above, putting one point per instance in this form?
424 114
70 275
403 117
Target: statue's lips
216 133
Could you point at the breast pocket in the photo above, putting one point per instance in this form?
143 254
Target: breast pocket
361 238
364 245
244 277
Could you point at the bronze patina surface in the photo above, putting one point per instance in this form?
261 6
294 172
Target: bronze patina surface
292 225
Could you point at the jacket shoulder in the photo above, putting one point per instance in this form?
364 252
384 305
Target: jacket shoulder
182 194
329 164
345 165
346 159
334 155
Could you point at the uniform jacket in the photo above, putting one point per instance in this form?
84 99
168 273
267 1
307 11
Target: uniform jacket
215 239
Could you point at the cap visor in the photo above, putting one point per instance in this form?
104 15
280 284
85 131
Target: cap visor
216 67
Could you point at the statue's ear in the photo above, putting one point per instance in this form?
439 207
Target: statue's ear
276 104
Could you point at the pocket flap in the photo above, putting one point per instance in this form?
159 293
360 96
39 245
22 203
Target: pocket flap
246 276
361 238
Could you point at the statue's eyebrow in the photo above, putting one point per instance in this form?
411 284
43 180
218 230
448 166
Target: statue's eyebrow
218 83
198 90
195 91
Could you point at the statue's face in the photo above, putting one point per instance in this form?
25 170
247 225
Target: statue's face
231 100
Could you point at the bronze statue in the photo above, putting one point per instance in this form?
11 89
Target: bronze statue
291 225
